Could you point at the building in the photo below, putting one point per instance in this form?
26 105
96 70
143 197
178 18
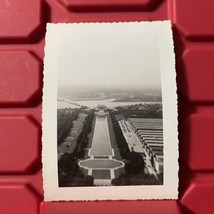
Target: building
100 110
150 134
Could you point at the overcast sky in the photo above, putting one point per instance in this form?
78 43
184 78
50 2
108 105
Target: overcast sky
108 55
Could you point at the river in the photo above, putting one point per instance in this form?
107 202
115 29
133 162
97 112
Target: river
94 103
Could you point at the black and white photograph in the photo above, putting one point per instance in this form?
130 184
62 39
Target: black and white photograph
109 112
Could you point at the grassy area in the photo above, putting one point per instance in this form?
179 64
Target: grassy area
86 153
100 163
85 171
101 174
117 155
111 132
119 171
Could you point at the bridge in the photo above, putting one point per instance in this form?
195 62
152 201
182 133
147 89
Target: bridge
69 101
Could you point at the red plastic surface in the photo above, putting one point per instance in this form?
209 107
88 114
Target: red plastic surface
18 198
149 207
194 18
19 86
19 19
21 142
22 32
103 5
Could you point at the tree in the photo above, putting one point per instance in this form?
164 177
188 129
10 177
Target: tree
67 164
120 139
135 163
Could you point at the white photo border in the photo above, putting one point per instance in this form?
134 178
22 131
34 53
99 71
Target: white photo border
169 189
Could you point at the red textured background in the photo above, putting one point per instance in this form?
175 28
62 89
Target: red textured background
22 32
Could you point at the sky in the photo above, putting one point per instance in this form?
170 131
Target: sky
105 55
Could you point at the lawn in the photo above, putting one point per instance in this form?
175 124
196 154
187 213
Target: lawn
100 163
101 174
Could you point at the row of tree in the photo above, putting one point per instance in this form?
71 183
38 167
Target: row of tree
148 111
65 120
68 168
120 139
83 139
69 173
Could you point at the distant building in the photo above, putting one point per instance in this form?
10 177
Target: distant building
100 110
101 107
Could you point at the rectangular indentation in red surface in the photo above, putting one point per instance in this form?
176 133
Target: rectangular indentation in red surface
198 197
21 78
196 135
19 144
19 19
18 198
111 5
119 207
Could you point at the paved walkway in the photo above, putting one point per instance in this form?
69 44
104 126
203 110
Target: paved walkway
131 138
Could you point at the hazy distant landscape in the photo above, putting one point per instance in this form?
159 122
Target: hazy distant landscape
118 94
